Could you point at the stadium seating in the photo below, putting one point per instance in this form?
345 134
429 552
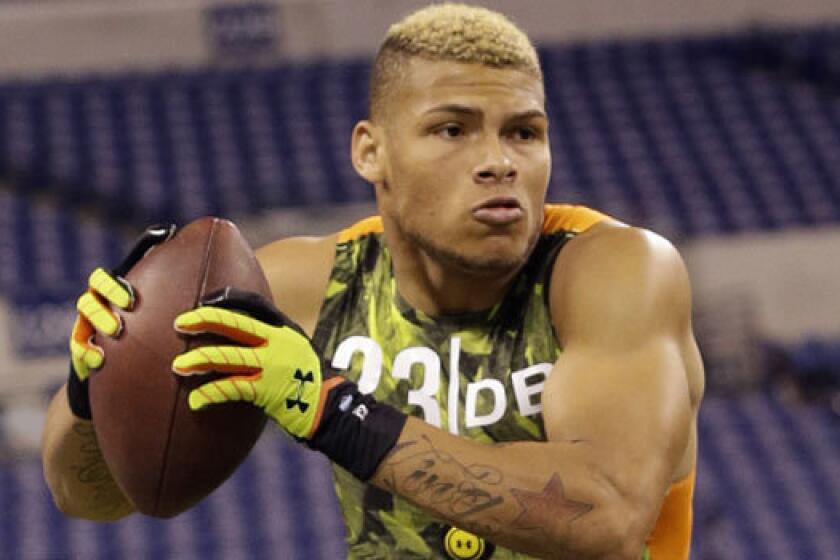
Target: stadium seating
768 484
768 487
689 137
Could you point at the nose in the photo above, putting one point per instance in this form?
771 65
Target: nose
496 166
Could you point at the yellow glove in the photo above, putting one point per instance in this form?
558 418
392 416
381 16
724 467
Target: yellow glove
96 306
275 364
96 313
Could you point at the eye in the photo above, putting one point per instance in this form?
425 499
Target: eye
450 130
524 133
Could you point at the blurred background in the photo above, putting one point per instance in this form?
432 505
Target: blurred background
714 123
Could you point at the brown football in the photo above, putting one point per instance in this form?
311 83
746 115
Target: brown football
164 456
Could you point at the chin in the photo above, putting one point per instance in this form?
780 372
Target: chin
492 265
489 265
491 258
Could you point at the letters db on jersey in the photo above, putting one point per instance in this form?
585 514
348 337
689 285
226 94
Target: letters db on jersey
519 390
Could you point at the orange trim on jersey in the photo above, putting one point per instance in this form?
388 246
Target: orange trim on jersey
569 217
361 228
671 537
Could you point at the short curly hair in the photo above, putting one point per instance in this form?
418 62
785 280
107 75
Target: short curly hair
451 32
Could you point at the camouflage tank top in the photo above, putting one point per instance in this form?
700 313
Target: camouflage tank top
478 375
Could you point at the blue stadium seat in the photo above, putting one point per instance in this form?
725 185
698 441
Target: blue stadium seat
767 487
685 136
693 136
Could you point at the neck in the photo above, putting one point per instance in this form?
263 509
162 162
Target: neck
441 288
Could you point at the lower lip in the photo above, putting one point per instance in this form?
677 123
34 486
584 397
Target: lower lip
497 215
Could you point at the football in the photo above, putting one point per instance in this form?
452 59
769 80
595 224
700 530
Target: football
164 456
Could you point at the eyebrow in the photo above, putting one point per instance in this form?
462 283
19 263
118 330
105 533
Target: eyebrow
471 111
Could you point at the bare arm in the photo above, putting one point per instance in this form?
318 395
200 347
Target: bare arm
618 412
298 270
526 496
74 469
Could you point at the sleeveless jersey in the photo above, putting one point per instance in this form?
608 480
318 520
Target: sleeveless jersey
478 375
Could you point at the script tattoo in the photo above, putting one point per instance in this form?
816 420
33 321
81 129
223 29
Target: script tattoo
437 476
106 496
550 506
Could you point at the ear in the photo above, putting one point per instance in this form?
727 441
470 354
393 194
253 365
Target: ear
367 152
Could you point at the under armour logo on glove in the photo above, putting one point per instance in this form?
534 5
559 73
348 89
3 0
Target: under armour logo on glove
271 362
297 402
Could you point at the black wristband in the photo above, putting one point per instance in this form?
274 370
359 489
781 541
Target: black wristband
77 395
356 432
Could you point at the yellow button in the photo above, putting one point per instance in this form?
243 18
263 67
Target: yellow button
463 545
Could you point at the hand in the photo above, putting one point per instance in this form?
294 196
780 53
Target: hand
273 364
107 290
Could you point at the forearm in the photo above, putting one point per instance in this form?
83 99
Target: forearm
547 499
75 471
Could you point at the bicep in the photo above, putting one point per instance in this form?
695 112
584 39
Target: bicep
622 383
632 408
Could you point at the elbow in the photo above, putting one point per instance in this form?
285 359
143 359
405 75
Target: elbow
65 505
625 530
615 537
618 531
627 535
59 492
115 513
62 499
609 537
72 506
627 512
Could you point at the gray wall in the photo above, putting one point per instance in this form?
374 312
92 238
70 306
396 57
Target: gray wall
72 36
787 282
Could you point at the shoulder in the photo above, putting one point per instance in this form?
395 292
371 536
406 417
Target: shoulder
622 244
298 270
612 276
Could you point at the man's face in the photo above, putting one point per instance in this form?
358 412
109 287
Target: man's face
466 163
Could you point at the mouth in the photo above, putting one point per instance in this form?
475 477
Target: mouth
498 211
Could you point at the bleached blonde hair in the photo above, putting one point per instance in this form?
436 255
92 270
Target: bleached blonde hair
451 32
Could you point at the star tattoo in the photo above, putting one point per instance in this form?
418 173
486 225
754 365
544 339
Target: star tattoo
549 506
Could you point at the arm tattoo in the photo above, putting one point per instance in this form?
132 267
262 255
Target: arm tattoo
548 505
419 470
427 472
92 471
